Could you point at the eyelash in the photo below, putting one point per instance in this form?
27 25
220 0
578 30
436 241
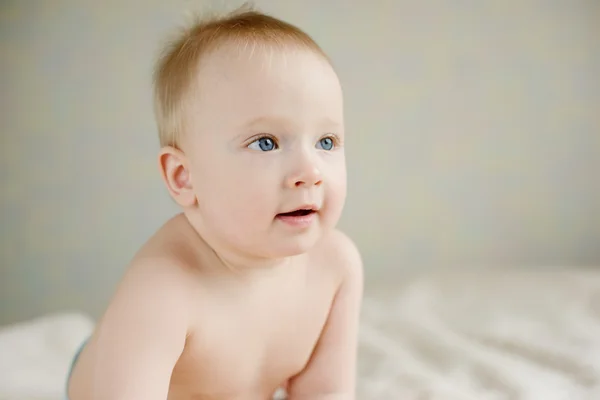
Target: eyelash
265 136
334 138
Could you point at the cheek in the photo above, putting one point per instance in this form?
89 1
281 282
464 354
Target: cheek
336 192
337 177
237 191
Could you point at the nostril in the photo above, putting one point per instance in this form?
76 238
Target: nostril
303 183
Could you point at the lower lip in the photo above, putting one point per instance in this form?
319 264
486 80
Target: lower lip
300 221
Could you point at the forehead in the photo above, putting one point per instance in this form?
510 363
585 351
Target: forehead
248 82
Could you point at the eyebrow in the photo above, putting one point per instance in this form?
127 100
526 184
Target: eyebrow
325 122
265 120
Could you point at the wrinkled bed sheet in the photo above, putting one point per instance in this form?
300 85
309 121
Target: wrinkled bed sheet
444 335
470 335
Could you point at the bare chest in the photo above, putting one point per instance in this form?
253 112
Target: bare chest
252 345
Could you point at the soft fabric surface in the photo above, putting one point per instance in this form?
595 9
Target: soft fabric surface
503 335
35 355
460 335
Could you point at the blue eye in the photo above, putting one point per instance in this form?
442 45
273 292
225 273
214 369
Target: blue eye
263 144
326 143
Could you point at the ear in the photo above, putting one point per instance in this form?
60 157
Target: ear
175 172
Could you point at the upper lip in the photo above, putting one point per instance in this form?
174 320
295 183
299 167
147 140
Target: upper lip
312 207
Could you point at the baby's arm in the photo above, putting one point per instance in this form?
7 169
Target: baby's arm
331 371
141 335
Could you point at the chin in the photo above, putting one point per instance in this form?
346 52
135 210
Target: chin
299 245
295 246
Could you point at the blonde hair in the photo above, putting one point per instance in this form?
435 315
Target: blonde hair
176 70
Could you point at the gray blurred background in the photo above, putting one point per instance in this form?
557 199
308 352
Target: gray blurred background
474 136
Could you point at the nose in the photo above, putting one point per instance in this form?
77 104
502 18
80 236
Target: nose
305 175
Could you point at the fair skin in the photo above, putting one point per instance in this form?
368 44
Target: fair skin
231 299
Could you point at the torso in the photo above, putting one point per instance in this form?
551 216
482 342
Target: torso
248 339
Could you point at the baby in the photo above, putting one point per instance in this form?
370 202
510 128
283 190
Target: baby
250 288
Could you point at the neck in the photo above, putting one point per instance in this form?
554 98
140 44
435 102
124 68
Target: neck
234 261
242 264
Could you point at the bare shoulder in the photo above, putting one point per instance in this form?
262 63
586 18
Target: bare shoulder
340 253
156 275
157 280
154 290
165 259
143 331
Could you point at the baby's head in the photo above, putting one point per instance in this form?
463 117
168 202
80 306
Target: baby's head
251 125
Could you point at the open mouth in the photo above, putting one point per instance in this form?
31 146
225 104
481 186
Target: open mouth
297 213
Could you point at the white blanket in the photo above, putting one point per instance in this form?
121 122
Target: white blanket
493 335
35 355
496 335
